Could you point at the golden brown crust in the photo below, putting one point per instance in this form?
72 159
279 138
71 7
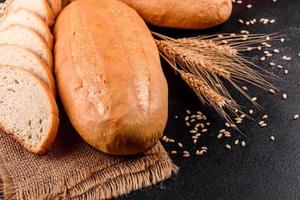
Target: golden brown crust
112 87
54 122
187 14
56 6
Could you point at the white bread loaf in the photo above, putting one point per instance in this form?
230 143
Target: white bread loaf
28 110
28 39
16 56
40 7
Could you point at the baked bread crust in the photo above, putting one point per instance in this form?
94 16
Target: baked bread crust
109 76
185 14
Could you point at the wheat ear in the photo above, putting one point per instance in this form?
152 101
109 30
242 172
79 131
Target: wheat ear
205 62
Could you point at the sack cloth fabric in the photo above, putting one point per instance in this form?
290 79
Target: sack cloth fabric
74 170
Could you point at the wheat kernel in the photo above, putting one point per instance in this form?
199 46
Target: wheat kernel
296 117
243 143
272 138
173 152
265 117
284 96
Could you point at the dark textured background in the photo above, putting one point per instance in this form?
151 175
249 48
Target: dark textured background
264 170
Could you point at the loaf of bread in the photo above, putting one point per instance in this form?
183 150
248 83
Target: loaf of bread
27 38
30 20
186 14
28 109
109 76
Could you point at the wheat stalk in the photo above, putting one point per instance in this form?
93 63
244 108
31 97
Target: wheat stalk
205 62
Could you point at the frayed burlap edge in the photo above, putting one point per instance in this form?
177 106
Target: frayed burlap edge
6 183
120 179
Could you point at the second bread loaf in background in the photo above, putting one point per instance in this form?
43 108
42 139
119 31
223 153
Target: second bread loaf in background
187 14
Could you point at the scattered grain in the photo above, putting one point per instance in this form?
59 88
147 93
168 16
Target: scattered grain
262 58
227 146
171 140
204 130
272 138
279 66
243 143
173 152
186 155
284 96
236 142
296 116
220 135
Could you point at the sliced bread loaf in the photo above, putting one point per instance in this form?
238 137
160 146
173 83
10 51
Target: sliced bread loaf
28 110
28 39
16 56
29 19
55 6
40 7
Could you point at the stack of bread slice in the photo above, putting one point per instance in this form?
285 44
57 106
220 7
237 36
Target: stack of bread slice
28 110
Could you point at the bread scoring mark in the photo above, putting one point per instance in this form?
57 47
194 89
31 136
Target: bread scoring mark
141 78
95 96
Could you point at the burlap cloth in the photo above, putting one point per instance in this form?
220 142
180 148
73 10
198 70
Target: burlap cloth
74 170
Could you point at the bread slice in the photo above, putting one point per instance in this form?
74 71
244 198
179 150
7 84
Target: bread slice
31 20
28 39
28 109
16 56
55 6
40 7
